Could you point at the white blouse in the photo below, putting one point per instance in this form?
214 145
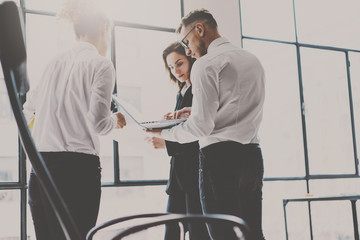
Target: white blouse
71 103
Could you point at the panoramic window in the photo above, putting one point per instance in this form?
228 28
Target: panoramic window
310 134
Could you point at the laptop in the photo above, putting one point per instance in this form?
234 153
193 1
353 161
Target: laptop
161 124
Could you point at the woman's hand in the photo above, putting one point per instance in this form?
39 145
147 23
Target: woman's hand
182 113
168 116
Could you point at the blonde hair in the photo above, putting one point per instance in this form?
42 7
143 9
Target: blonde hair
85 16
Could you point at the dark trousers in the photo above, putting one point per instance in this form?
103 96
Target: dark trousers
231 180
184 197
77 177
189 203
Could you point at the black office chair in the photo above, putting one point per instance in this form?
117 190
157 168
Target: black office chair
13 61
238 226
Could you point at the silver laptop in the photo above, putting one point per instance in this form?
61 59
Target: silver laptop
161 124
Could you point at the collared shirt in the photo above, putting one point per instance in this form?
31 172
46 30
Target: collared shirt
71 103
229 90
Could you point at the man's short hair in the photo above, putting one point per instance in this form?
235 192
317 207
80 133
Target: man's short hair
199 15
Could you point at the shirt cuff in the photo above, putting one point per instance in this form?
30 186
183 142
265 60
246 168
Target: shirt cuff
165 133
114 120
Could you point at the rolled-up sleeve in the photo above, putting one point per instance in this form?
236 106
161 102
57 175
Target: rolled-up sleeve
99 115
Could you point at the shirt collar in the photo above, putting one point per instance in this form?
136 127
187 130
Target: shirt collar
185 89
82 44
217 42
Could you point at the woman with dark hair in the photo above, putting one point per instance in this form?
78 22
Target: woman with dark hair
183 184
71 105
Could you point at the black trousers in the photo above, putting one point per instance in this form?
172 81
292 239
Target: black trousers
231 180
77 177
186 203
185 199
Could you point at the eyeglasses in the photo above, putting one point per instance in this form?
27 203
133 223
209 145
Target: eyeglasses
185 45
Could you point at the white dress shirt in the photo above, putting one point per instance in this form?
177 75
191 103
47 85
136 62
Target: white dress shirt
228 85
71 103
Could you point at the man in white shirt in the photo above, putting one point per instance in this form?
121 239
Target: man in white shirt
229 91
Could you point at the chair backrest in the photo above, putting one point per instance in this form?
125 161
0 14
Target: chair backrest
239 227
112 222
12 47
13 61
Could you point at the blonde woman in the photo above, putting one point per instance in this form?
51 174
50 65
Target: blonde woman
72 108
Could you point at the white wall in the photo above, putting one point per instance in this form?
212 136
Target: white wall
225 12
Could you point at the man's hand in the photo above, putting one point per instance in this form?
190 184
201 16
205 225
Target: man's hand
121 122
182 113
158 143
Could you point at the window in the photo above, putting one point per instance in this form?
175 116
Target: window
10 213
8 139
273 20
355 85
161 13
310 133
280 132
328 23
140 77
131 161
327 108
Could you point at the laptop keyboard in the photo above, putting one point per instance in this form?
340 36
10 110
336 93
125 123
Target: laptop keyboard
166 121
162 123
